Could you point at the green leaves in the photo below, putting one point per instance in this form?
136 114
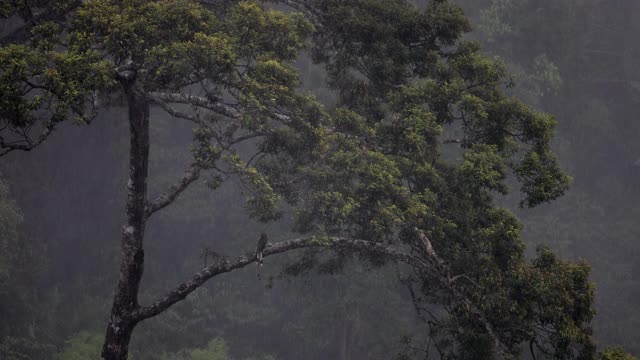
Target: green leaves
84 345
425 136
541 177
179 64
273 34
562 297
128 29
262 201
216 349
615 353
17 64
39 84
483 168
422 135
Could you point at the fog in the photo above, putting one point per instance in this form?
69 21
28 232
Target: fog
576 60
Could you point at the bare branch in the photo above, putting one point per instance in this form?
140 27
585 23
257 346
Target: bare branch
27 144
172 111
447 282
302 6
225 265
248 136
218 107
434 265
165 199
451 141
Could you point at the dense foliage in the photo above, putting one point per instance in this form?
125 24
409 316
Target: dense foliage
574 59
421 136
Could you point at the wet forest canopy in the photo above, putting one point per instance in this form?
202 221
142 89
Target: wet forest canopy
392 152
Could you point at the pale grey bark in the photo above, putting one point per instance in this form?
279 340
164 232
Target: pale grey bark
125 300
218 107
225 265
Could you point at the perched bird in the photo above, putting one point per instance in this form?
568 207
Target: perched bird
262 243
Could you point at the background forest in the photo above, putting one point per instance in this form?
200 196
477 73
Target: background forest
576 59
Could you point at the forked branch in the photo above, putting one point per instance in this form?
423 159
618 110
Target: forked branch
434 266
165 199
218 107
226 265
25 144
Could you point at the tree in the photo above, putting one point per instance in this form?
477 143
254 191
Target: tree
594 99
420 140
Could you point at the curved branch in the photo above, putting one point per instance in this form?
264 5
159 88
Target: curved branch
171 110
433 264
304 7
218 107
451 141
27 144
164 200
225 265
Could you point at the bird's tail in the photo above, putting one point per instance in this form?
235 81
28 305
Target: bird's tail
259 257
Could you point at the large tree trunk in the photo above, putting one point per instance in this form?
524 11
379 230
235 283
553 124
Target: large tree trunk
125 300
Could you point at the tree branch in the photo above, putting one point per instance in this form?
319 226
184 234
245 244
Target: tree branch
27 144
172 111
165 199
451 141
198 101
302 6
21 34
225 265
433 265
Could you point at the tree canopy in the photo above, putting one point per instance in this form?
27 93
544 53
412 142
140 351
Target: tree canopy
403 165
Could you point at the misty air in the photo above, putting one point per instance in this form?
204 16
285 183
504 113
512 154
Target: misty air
319 179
